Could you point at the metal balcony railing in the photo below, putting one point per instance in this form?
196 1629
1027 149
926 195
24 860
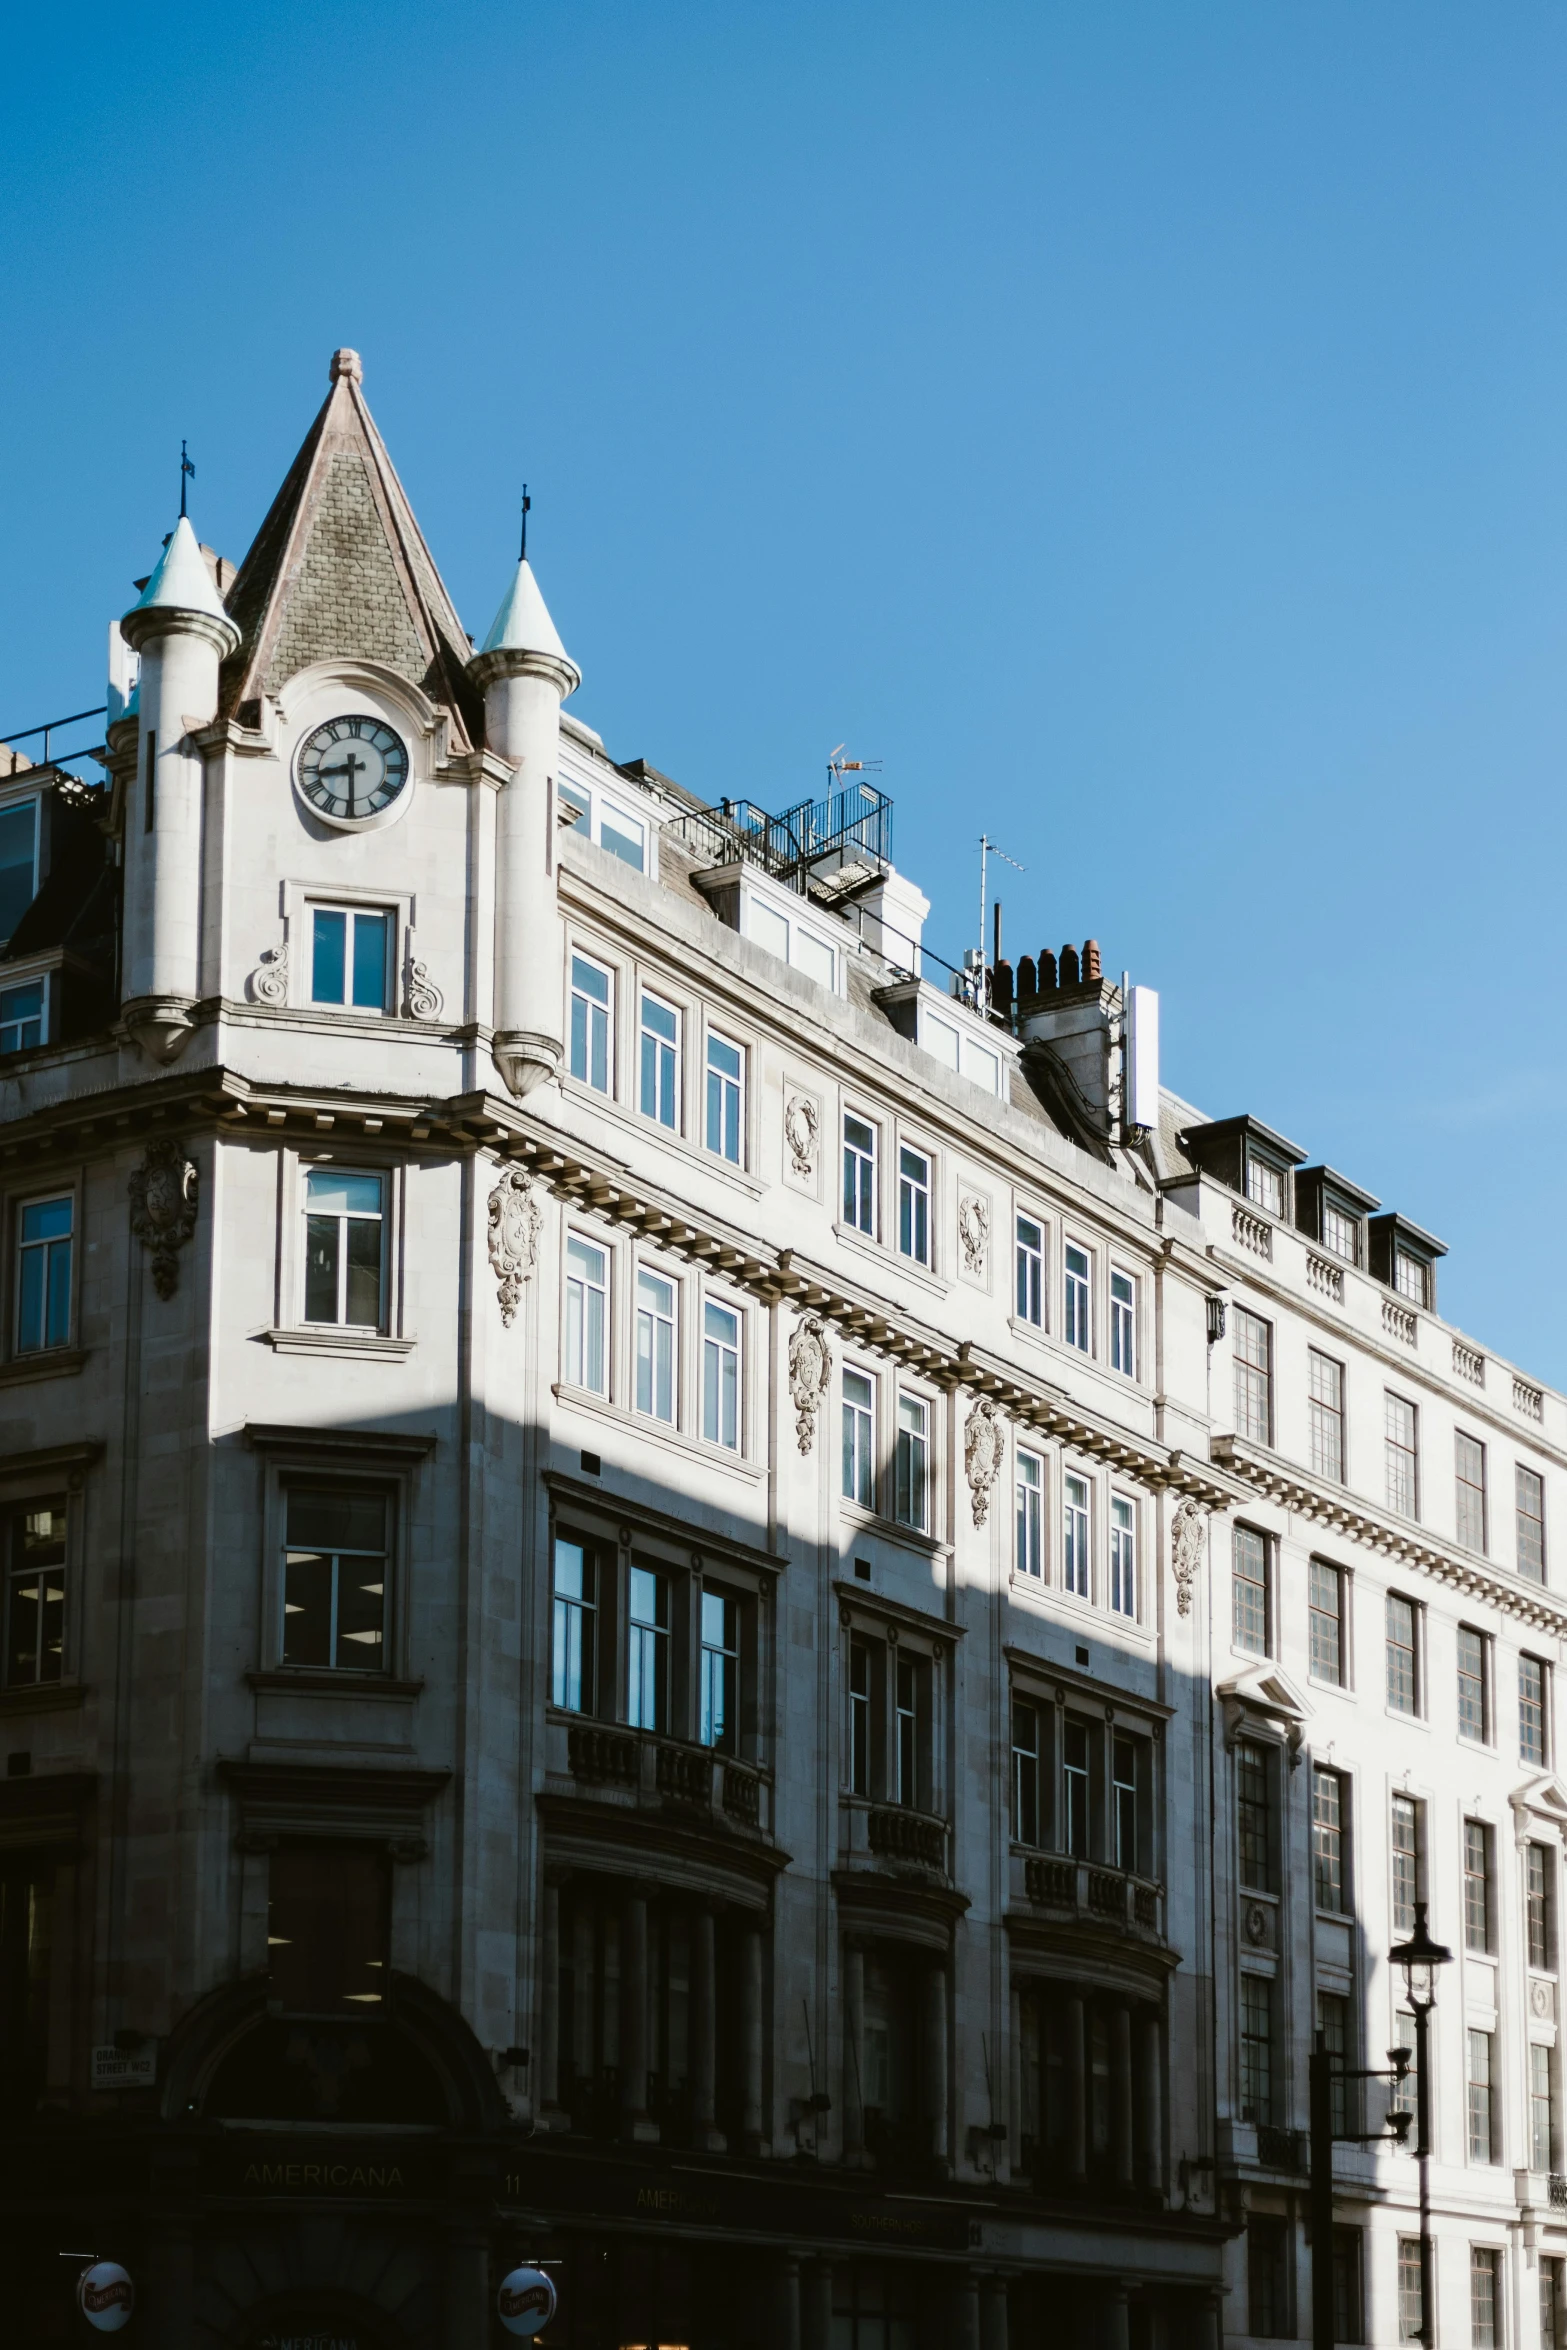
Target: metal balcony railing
854 823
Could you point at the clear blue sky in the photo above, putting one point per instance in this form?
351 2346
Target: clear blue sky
1143 427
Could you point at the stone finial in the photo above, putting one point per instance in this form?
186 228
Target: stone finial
347 363
1091 968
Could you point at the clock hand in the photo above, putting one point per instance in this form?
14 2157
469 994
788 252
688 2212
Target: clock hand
350 767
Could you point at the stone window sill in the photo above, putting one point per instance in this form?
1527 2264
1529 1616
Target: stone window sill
43 1697
55 1362
321 1682
332 1338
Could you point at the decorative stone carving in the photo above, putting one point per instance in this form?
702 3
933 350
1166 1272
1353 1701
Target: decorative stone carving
163 1209
514 1237
810 1371
422 999
802 1128
1259 1927
983 1445
974 1233
1188 1537
269 981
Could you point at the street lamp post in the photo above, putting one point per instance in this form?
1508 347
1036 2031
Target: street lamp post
1420 1957
1325 2069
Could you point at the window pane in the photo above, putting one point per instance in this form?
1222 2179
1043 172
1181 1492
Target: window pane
1402 1685
1030 1532
1254 1816
858 1435
721 1376
361 1613
1406 1862
1532 1685
1253 1376
1471 1683
1327 1628
1400 1454
1077 1298
21 1017
307 1608
1075 1566
1265 1185
1326 1408
1250 1591
911 1463
329 957
321 1263
372 954
363 1301
35 1594
342 1520
1477 1886
1531 1524
345 1195
1327 1839
622 836
1030 1271
327 1928
18 835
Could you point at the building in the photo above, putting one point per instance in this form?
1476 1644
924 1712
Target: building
1384 1734
638 1629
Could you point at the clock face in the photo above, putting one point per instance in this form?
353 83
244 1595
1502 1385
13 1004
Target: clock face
352 768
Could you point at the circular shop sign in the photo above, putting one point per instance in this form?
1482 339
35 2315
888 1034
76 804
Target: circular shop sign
106 2296
526 2301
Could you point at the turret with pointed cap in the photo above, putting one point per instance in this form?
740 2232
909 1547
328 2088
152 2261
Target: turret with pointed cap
340 570
524 673
182 632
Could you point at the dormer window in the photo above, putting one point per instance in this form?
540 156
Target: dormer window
1264 1183
593 817
1340 1232
1412 1278
1401 1255
18 862
1333 1211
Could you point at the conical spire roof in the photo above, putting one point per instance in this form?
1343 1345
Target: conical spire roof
181 582
523 623
340 571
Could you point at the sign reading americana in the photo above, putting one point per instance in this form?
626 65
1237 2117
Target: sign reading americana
268 2174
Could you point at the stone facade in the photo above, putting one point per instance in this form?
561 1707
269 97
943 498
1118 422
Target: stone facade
622 1593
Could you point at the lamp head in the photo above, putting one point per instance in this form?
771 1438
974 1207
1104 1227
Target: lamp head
1420 1957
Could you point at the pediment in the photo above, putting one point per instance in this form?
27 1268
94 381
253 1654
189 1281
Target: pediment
1266 1688
1542 1799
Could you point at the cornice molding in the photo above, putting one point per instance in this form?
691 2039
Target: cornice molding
1329 1506
220 1098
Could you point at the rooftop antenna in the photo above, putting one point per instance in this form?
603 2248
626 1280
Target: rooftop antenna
522 552
838 767
187 473
987 850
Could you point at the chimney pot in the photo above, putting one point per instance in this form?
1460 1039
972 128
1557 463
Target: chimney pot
1048 980
1027 978
1091 968
1069 966
1001 988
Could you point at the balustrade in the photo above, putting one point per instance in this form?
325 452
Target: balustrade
1326 1278
898 1835
1094 1893
601 1755
1253 1232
